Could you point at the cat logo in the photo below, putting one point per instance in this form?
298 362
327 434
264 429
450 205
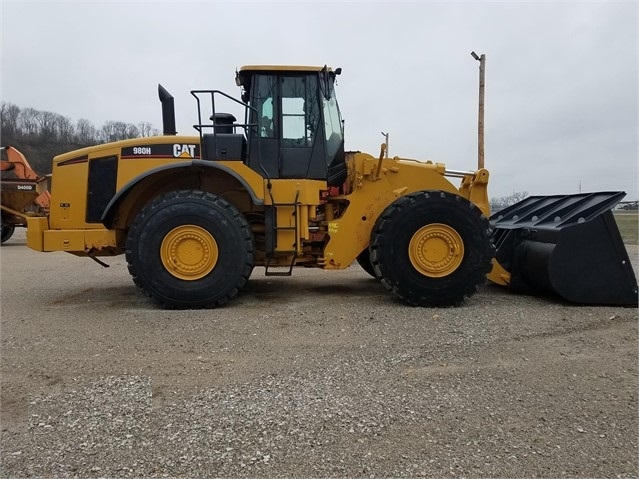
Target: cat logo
183 151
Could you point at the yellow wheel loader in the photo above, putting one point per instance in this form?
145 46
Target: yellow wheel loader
195 214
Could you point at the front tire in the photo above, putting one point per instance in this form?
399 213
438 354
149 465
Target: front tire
190 249
364 260
431 248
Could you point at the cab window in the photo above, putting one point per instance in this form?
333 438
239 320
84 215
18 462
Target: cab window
300 111
266 92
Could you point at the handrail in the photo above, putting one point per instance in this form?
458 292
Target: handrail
200 127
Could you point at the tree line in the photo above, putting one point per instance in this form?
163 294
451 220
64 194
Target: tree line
41 135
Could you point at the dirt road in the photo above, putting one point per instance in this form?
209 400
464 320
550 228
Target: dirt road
316 375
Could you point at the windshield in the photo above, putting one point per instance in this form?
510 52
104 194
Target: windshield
332 122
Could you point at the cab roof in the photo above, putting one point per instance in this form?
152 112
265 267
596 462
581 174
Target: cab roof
282 68
245 73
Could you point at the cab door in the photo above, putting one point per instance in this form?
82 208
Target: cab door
302 140
288 140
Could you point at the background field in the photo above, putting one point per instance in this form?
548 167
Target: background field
628 223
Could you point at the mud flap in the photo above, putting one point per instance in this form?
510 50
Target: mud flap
566 245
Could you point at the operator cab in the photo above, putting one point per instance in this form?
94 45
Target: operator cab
292 126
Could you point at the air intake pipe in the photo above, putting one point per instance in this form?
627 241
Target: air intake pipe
168 111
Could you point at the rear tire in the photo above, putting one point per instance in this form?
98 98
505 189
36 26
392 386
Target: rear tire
431 248
6 232
190 249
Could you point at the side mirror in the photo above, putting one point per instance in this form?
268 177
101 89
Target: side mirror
325 82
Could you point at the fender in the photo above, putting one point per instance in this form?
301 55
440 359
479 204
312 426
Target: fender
108 215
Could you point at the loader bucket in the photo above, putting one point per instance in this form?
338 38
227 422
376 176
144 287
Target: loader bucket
565 245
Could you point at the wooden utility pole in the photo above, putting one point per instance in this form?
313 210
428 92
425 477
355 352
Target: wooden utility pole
480 127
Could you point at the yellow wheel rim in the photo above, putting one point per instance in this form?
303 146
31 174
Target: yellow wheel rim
189 252
436 250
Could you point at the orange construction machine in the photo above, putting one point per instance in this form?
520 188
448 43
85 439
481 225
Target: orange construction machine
23 192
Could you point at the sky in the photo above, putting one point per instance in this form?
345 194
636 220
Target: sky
561 77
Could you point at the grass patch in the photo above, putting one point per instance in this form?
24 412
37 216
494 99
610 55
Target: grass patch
628 224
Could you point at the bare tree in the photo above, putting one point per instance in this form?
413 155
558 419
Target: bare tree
502 202
121 130
146 129
46 122
9 114
28 122
64 128
117 130
86 133
132 131
107 132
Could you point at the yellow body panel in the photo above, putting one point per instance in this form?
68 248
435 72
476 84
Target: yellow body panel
306 192
69 196
79 240
36 227
70 174
129 168
41 238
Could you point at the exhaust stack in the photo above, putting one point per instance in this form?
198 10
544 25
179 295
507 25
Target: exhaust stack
168 111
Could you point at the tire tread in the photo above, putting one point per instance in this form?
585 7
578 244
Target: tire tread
159 203
384 227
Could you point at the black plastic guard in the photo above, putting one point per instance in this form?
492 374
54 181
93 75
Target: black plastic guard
567 245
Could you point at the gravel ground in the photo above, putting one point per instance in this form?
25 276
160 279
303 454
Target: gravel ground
321 374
